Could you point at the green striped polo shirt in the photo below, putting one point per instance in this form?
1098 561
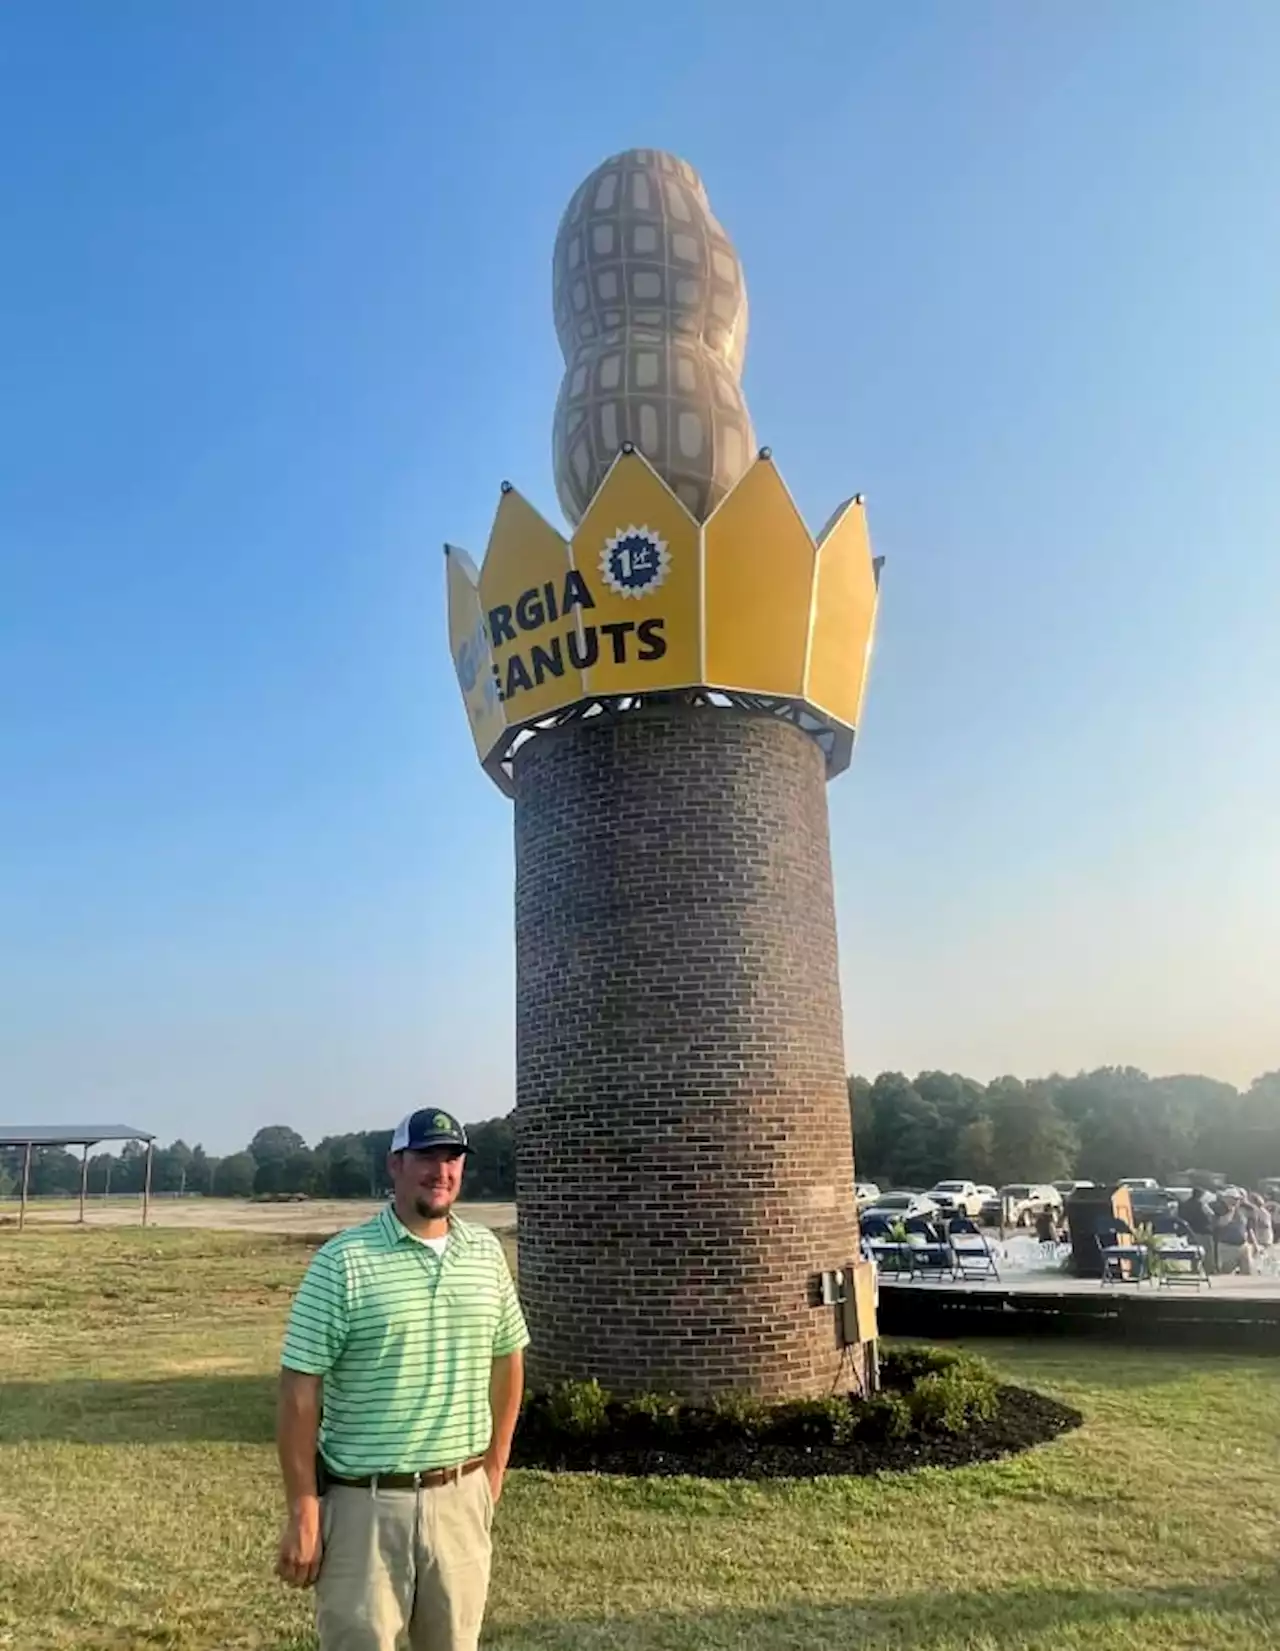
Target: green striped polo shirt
405 1342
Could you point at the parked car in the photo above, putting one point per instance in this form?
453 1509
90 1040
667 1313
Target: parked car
1209 1180
1150 1201
1066 1188
866 1193
957 1197
1136 1182
1019 1202
900 1206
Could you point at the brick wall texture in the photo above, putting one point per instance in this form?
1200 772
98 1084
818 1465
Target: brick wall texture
684 1156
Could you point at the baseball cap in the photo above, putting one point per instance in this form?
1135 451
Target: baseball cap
428 1128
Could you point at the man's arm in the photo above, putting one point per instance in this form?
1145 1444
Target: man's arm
506 1389
297 1429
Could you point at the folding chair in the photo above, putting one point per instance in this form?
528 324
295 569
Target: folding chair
1181 1259
1116 1255
931 1254
890 1256
933 1260
974 1256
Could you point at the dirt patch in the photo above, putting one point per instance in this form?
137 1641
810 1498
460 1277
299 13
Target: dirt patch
319 1217
1022 1419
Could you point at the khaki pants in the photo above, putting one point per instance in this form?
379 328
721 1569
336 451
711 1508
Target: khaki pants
405 1568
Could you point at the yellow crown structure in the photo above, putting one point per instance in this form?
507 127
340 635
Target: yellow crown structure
744 608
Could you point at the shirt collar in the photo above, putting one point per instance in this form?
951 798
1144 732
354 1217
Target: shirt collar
395 1232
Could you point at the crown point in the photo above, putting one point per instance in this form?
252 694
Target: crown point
507 487
628 447
859 498
766 452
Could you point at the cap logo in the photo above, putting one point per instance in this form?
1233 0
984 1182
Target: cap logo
442 1120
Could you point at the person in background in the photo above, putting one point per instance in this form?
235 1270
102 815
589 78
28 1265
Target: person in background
1261 1229
1198 1216
1235 1254
408 1328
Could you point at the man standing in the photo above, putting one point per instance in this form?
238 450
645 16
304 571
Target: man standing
409 1329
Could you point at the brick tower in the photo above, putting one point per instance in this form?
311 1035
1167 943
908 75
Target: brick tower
665 695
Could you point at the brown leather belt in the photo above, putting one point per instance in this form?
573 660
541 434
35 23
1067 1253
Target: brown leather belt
428 1479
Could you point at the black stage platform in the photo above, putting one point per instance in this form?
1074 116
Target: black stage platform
1225 1312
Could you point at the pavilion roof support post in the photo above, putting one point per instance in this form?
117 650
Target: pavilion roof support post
146 1183
84 1177
26 1177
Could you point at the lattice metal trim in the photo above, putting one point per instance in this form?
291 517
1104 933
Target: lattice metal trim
836 742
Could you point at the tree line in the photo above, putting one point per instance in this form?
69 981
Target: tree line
907 1132
1098 1126
276 1162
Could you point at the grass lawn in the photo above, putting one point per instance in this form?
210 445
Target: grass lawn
141 1505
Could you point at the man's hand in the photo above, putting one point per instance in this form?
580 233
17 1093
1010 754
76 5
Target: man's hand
301 1548
506 1384
297 1426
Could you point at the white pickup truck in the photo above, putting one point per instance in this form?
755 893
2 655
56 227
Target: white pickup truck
957 1197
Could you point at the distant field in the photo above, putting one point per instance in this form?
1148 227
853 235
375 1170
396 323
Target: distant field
320 1215
141 1504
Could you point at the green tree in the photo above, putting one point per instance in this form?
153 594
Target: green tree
296 1173
975 1158
491 1166
130 1172
1030 1139
233 1177
862 1117
11 1168
268 1177
170 1166
102 1171
1130 1124
349 1173
908 1131
274 1144
957 1103
343 1168
1245 1141
200 1171
299 1171
181 1155
377 1144
54 1171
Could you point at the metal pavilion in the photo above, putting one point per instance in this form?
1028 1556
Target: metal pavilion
84 1136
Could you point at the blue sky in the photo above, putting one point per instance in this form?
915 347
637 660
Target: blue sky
275 322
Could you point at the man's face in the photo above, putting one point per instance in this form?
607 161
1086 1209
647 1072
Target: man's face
428 1182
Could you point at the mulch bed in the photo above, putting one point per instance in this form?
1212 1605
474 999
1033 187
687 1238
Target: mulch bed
1023 1419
